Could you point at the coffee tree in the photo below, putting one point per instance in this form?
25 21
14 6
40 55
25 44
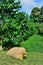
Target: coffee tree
14 27
8 9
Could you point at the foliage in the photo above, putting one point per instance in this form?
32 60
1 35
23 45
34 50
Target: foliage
34 43
22 19
35 14
15 31
41 15
15 24
32 30
40 29
9 25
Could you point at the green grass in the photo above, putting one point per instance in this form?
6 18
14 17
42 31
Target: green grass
33 58
34 43
34 46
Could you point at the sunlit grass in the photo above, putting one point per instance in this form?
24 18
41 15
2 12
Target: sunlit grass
33 58
34 43
34 46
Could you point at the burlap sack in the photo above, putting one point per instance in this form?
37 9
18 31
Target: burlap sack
17 52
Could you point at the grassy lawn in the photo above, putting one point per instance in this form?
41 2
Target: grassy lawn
34 43
34 46
33 58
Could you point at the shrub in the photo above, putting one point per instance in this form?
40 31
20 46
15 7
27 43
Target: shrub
15 31
9 27
32 30
9 43
40 29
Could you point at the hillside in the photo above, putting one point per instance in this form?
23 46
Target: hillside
34 43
